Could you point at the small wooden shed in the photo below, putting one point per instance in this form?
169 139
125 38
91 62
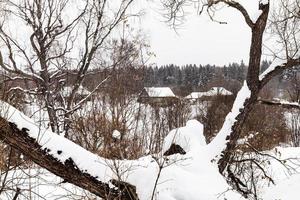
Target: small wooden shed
158 96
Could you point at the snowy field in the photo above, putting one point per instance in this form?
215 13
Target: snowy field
192 176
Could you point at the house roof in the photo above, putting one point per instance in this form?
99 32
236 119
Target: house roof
212 92
159 92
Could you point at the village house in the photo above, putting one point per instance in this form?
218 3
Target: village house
214 91
158 97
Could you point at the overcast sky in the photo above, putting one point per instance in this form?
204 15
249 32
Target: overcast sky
199 40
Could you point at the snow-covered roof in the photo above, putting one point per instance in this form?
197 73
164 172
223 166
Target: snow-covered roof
212 92
159 92
66 91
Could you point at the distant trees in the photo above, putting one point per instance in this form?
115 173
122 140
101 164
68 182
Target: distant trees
191 75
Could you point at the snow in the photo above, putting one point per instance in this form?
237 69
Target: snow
286 189
116 134
285 102
47 185
219 142
178 170
188 137
188 177
191 176
286 176
264 2
94 165
36 183
159 92
247 138
276 63
212 92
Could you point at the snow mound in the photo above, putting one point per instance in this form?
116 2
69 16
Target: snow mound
187 137
116 134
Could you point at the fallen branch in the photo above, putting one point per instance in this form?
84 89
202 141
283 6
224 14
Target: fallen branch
20 140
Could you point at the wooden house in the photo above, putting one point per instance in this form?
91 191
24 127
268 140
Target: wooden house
158 97
214 91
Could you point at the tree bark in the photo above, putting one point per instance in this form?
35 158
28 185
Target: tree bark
68 170
253 83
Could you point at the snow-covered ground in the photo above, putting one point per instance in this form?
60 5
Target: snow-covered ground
192 176
183 181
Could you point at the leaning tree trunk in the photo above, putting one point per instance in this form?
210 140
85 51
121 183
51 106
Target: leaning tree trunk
20 140
253 83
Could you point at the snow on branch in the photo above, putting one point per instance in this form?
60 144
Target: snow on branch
278 102
20 89
219 142
61 156
276 68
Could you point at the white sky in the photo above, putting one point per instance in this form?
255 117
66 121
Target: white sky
199 40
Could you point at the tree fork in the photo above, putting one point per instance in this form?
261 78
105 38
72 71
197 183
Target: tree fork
253 83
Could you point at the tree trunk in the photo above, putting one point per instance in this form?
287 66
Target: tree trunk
253 83
68 170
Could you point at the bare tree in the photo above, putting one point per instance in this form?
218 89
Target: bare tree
52 48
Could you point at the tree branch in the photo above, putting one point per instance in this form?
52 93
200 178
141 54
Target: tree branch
20 140
276 70
237 6
284 104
